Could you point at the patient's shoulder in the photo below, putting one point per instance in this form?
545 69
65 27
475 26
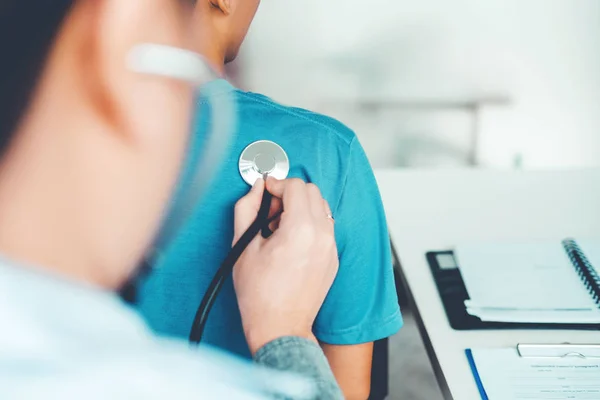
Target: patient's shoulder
315 122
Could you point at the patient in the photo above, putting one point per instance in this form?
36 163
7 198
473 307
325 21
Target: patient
362 306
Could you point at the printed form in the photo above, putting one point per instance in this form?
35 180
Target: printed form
504 375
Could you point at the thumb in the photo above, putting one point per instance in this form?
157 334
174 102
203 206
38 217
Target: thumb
246 209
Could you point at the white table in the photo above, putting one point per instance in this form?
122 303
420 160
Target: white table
435 210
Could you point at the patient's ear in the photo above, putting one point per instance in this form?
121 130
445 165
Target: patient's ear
225 6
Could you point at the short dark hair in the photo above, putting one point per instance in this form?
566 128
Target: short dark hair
27 33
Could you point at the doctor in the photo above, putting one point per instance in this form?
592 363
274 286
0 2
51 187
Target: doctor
90 152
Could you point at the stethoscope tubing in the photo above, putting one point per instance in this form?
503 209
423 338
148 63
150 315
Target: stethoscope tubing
261 223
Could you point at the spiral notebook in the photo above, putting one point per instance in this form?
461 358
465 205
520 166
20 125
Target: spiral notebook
538 282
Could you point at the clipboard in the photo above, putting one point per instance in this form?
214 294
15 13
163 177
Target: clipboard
453 294
476 376
540 352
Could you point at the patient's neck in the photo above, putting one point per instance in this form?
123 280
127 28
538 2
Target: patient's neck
216 58
210 44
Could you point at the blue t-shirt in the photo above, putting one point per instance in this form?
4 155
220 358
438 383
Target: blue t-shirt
361 306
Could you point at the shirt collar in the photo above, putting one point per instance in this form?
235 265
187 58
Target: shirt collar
218 86
44 308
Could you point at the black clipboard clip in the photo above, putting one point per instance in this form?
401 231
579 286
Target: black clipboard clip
562 350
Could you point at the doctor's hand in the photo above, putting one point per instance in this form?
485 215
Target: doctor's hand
281 282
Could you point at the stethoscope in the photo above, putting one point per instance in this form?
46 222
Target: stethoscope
260 159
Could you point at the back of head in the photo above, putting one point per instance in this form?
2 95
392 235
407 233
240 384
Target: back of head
27 32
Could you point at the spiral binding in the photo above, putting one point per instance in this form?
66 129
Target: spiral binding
588 274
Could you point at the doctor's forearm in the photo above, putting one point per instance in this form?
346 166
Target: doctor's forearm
304 357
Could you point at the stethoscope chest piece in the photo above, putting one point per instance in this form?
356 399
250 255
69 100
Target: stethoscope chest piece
263 157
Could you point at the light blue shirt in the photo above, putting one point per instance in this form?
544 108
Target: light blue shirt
61 340
362 305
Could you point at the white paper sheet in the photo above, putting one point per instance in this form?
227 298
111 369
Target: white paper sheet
530 276
543 317
507 376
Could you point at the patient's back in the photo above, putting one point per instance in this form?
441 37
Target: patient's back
361 306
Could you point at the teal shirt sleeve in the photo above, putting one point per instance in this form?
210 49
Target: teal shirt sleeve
362 305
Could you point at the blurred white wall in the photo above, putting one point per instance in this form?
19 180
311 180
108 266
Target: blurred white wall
543 54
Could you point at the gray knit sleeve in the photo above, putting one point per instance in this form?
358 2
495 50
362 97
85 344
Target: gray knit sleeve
304 357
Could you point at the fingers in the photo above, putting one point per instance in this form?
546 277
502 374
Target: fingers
301 200
319 207
276 207
293 195
328 213
315 201
296 195
273 226
246 209
327 208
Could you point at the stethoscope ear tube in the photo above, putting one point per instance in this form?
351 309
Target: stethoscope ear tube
261 222
204 165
